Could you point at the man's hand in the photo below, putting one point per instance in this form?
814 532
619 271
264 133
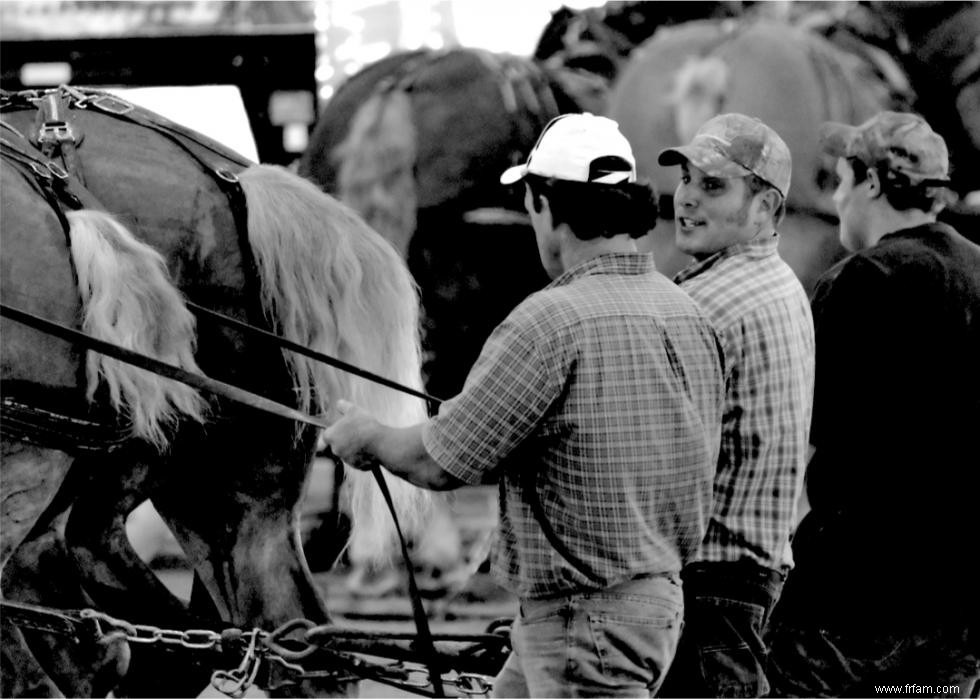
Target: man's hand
354 437
363 443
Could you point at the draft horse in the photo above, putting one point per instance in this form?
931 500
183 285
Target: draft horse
171 217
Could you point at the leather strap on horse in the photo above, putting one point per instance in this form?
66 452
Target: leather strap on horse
27 422
284 343
200 148
48 178
61 622
55 135
142 361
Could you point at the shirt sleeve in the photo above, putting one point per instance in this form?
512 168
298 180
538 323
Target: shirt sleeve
507 394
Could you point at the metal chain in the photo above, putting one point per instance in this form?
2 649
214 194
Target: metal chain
280 651
233 683
195 639
474 685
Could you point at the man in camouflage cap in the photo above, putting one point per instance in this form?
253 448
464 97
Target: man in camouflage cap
735 175
879 595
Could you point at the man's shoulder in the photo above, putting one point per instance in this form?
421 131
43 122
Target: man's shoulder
543 311
736 288
916 251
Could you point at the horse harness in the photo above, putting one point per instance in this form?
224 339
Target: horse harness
36 157
34 420
34 424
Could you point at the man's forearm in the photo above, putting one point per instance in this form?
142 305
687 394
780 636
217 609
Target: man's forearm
401 451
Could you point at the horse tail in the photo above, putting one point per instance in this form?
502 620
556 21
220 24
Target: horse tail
377 166
130 301
699 92
331 283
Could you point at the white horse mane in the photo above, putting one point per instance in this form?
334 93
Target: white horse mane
331 283
130 301
376 167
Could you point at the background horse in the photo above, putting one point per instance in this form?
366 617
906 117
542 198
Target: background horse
277 253
599 40
416 143
936 45
789 77
920 56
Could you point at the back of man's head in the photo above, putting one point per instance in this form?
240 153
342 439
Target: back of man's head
911 160
585 168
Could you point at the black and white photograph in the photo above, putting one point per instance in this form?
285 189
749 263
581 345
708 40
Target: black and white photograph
489 348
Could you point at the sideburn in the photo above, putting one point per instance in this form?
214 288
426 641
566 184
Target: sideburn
741 217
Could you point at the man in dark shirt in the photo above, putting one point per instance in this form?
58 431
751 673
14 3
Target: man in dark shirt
881 594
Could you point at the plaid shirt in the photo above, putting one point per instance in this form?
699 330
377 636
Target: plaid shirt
607 385
762 314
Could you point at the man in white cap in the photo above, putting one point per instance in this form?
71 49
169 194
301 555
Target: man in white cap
596 404
881 596
735 175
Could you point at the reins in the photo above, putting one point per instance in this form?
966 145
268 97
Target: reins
424 644
285 343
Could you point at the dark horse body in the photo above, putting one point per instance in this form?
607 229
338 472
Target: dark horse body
416 143
229 487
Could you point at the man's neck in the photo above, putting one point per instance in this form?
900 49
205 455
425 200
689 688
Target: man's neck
575 251
888 220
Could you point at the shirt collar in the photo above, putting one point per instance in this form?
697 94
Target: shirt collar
759 247
608 263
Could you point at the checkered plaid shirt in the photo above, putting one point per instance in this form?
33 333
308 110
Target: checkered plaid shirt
608 385
762 314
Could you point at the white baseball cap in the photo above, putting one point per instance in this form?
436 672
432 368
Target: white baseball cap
578 148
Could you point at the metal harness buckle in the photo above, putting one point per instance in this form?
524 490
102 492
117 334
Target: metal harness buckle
57 170
111 104
226 175
55 132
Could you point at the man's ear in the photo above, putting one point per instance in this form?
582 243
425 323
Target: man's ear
544 205
769 201
874 182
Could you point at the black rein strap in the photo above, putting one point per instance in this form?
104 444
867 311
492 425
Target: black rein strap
225 390
425 642
306 351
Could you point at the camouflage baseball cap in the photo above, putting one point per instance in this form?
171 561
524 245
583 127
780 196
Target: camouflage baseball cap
736 145
900 141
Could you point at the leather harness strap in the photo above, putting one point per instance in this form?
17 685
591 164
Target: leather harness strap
31 423
55 136
61 622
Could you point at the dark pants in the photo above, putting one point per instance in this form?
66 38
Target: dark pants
814 655
846 623
721 653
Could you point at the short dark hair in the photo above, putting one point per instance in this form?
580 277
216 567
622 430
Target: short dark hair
597 210
900 191
755 184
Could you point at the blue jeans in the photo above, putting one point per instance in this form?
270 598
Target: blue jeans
721 653
616 642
